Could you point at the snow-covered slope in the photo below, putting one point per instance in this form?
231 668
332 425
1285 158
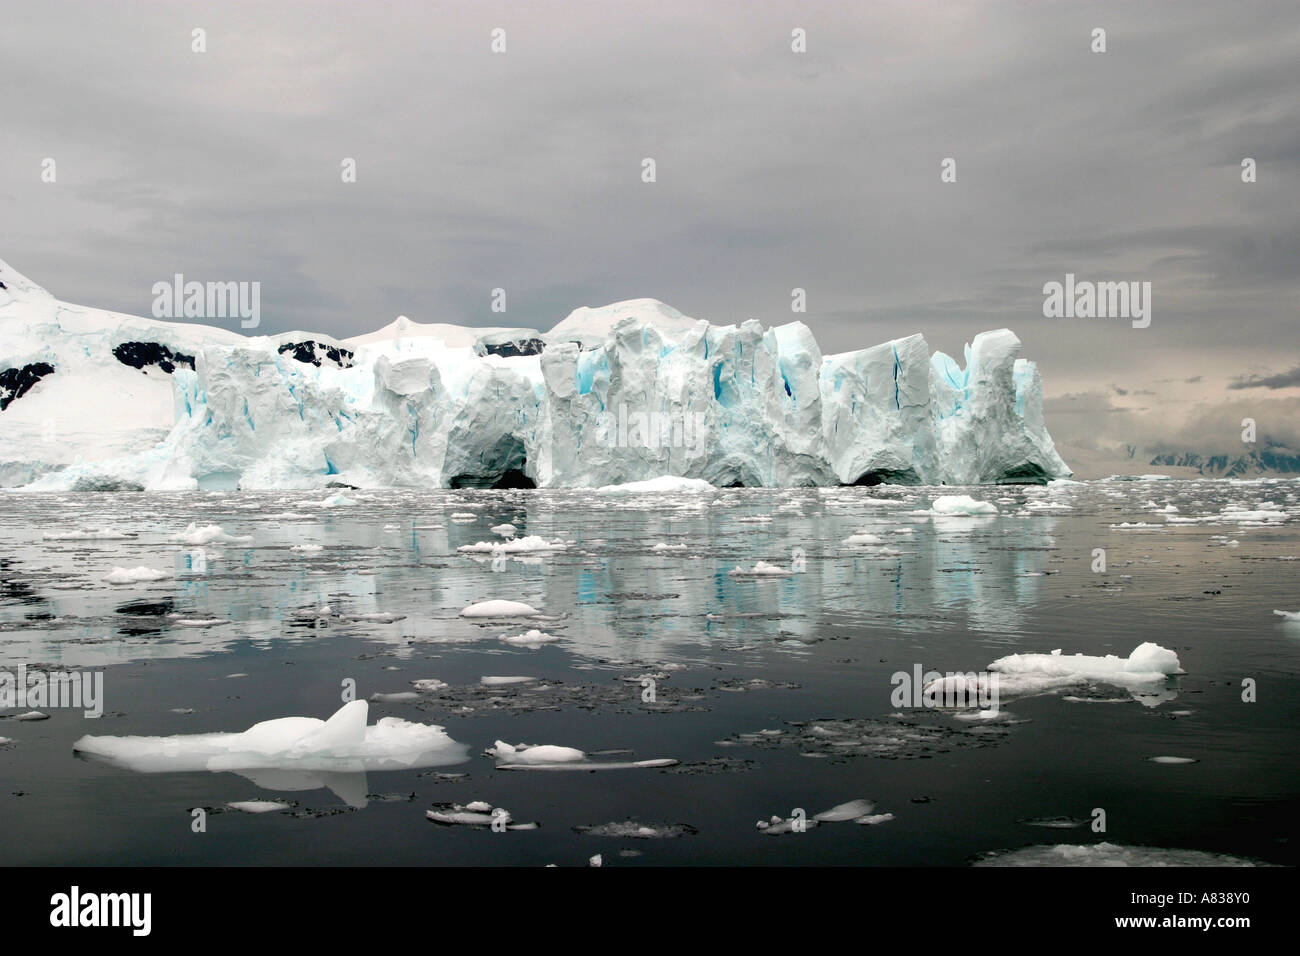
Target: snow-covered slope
626 392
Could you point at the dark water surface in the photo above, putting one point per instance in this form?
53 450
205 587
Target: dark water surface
730 657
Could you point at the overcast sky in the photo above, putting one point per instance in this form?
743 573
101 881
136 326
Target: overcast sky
775 170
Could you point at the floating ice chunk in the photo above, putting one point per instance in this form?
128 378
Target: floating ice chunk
551 757
1172 759
778 826
531 543
476 813
33 715
505 530
374 617
959 505
846 811
532 638
308 548
1288 615
596 860
861 539
464 516
134 575
1054 823
760 570
87 534
1032 673
630 829
500 609
198 621
662 546
342 743
542 753
872 819
6 740
258 806
336 501
505 681
670 484
397 698
430 685
1110 854
207 534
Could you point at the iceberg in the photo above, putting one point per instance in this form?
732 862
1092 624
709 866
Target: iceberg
629 398
342 744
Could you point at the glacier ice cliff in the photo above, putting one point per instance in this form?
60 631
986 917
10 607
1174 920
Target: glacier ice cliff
626 392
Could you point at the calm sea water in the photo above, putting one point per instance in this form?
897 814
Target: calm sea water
730 657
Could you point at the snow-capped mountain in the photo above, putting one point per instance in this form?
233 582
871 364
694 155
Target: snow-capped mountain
91 399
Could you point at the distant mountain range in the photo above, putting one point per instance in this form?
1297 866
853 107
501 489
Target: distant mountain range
1274 460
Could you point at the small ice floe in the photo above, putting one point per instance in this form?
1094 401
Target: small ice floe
959 505
632 830
670 484
197 621
500 609
400 697
320 613
506 530
596 860
6 740
33 715
846 811
663 546
182 710
1172 759
339 500
342 743
230 676
552 757
1054 823
755 519
87 534
1109 854
429 685
477 813
464 516
308 548
1019 675
1137 526
532 544
532 638
258 806
1288 615
195 534
374 617
862 539
873 819
780 825
140 575
760 570
1040 505
505 681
